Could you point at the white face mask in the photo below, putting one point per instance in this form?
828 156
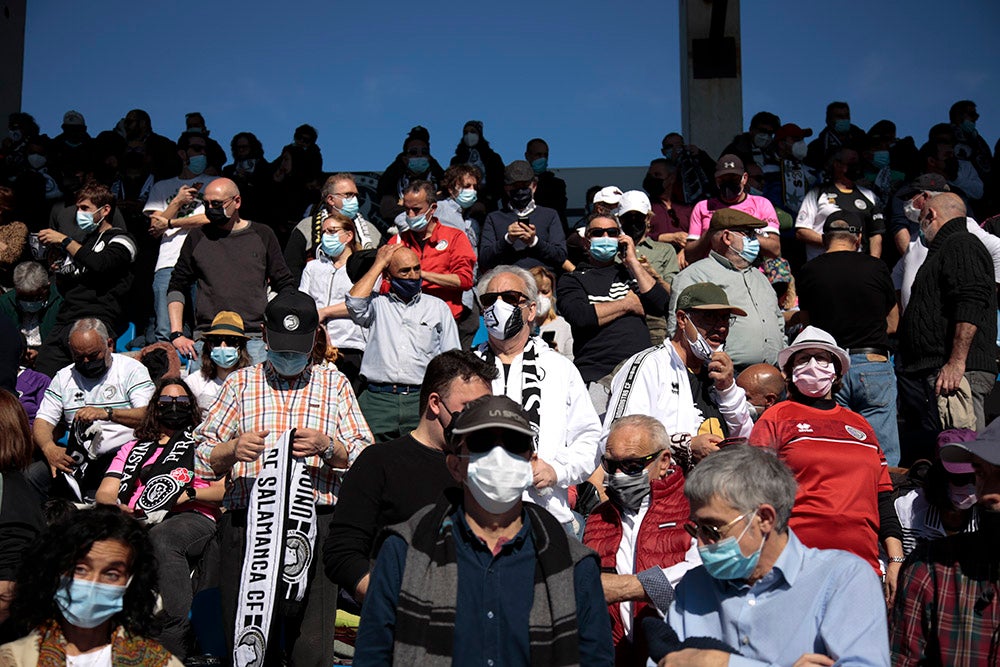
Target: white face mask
503 320
799 150
497 479
544 305
911 212
701 347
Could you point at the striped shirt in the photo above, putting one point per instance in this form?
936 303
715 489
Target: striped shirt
257 399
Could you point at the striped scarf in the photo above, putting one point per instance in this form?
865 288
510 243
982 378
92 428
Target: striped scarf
426 613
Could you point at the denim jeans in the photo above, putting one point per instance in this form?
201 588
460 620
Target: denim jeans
161 281
179 542
869 388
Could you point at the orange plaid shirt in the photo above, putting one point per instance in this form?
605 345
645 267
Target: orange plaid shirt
258 399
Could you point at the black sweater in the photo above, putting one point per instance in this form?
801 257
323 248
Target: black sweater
102 275
386 485
954 284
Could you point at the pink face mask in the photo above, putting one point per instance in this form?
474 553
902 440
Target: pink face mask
813 379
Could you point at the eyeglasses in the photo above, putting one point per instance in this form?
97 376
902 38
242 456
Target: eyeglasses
512 297
597 232
710 533
218 203
346 194
630 467
231 341
710 319
166 401
418 152
478 442
823 359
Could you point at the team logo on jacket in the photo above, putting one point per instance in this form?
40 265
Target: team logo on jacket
856 433
804 427
860 204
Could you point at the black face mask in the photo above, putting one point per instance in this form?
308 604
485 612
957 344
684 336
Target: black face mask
175 416
634 226
520 198
729 190
653 186
951 168
91 369
216 216
853 172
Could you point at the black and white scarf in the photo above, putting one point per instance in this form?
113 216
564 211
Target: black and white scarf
531 385
163 480
281 529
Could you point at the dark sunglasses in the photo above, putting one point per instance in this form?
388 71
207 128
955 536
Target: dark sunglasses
478 442
167 401
597 232
231 341
513 297
711 533
630 467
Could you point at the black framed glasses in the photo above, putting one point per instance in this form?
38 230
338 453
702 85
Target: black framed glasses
218 203
231 341
630 467
597 232
512 297
709 533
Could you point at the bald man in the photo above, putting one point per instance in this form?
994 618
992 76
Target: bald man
406 330
233 262
949 329
764 385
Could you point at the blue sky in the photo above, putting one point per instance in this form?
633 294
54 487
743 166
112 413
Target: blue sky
600 81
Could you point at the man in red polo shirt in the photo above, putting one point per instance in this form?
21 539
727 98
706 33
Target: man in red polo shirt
446 256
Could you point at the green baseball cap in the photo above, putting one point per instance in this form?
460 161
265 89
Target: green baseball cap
706 296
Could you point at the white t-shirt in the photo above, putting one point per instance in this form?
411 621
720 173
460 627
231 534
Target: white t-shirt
126 384
160 196
100 658
205 391
328 285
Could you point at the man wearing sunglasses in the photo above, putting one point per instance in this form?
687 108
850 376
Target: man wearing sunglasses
688 382
639 531
606 303
233 262
760 590
546 384
758 337
498 579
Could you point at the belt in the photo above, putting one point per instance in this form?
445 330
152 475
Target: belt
385 388
869 350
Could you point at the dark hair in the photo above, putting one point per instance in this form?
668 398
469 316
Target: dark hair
209 370
595 215
25 121
454 174
148 429
958 108
59 548
6 199
425 187
98 194
765 118
256 148
15 436
832 106
793 391
184 140
453 365
306 130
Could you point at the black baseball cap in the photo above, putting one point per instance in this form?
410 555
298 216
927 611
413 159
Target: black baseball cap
290 321
494 412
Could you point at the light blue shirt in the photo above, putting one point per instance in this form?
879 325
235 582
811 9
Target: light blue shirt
812 601
402 337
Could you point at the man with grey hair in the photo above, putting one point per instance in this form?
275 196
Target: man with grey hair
32 305
760 590
639 532
99 388
546 384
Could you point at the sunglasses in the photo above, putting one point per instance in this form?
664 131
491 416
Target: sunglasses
478 442
712 533
231 341
512 297
630 467
167 401
597 232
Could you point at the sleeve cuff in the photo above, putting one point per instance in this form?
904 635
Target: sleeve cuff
657 587
175 296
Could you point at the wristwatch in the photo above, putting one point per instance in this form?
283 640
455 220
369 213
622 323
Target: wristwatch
111 413
170 223
897 559
190 492
328 454
174 335
65 242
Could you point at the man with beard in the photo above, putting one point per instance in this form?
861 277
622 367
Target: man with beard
731 179
233 261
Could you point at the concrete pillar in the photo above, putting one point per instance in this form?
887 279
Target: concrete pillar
12 14
711 73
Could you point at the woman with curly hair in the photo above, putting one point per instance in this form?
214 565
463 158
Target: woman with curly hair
85 595
153 478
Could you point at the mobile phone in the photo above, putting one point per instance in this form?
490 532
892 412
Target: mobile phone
549 337
622 248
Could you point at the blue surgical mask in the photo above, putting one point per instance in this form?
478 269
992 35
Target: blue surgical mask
751 248
225 357
288 364
85 220
880 159
350 207
418 223
87 604
197 164
539 165
603 248
969 127
405 288
418 165
31 306
842 125
466 197
725 559
332 245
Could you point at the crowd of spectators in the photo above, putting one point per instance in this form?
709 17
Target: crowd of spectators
738 413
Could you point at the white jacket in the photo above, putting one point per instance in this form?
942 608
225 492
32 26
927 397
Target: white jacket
569 437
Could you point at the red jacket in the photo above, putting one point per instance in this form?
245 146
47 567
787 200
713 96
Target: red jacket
661 542
447 250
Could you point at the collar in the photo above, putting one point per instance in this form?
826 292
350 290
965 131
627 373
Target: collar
953 226
721 259
395 297
789 562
